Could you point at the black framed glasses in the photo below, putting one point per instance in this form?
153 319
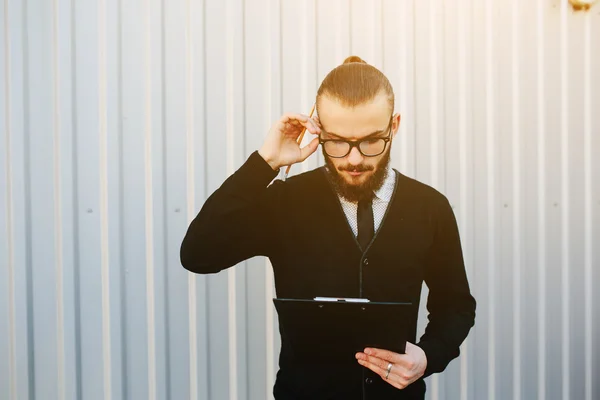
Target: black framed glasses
368 147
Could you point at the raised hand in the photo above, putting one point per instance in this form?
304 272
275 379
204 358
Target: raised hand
281 148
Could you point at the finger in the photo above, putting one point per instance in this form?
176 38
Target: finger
288 120
377 369
300 123
384 354
314 129
297 120
405 376
294 117
316 119
309 149
392 378
317 127
381 363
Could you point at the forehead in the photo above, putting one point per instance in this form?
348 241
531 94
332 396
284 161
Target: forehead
354 123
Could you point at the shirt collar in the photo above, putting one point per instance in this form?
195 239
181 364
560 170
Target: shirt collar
387 188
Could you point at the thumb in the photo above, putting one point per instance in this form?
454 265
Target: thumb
309 149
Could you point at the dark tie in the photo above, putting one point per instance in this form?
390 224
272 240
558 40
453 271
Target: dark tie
366 225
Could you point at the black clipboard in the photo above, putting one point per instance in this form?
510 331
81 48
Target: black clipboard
334 330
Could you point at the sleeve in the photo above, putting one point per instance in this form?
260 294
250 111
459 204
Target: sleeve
236 222
450 304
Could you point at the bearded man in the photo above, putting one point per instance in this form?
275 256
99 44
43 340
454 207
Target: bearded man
355 227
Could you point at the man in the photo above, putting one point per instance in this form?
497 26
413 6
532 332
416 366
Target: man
353 228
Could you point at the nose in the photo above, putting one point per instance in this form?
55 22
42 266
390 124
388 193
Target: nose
355 158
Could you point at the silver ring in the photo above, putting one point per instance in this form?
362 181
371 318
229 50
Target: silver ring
389 369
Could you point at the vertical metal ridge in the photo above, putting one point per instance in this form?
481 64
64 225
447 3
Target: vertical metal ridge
315 9
192 278
462 140
12 333
349 30
319 160
338 35
230 138
149 205
280 43
414 79
587 172
371 21
491 203
76 207
243 91
516 220
378 36
541 92
60 319
104 261
123 289
565 228
303 74
28 246
343 12
403 85
433 101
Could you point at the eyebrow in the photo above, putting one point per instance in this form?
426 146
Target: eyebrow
368 136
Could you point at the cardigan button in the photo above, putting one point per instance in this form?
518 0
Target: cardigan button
366 261
369 381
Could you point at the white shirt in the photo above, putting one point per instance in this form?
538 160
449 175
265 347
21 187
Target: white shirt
381 201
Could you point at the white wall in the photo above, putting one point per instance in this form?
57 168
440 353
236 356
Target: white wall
119 118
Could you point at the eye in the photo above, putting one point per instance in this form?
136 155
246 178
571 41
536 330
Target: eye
373 140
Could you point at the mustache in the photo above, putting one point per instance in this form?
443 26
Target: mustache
356 168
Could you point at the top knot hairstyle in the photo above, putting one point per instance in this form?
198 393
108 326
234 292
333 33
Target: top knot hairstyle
355 82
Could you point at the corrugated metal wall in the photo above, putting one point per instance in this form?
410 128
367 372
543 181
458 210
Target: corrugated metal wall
119 118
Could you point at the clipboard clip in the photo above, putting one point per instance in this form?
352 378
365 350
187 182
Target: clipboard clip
346 299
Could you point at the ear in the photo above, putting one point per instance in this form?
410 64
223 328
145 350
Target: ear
395 124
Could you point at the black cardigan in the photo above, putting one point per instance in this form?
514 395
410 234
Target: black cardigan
300 225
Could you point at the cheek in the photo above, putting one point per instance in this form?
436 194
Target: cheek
373 164
337 162
381 160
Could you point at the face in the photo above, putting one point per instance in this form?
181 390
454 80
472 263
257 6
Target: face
356 176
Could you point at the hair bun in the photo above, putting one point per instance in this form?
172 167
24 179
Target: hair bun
354 59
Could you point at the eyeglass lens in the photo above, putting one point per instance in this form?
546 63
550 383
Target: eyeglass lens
368 147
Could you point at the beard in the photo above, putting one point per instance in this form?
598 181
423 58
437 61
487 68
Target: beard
357 192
